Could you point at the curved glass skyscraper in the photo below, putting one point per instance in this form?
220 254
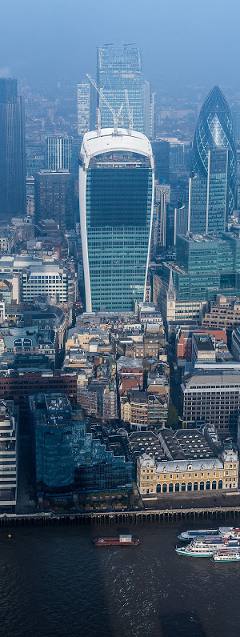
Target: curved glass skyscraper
116 209
213 187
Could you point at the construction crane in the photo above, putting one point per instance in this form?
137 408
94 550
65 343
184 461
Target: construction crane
115 114
129 112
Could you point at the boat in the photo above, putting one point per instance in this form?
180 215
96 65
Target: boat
207 546
120 540
192 533
194 550
227 555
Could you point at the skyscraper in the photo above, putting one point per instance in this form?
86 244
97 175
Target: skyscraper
83 107
116 208
120 78
12 151
59 152
213 185
54 197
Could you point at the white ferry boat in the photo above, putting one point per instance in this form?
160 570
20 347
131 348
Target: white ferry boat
227 555
193 534
195 550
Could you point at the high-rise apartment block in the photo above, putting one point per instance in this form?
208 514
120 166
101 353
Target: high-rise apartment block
116 208
12 151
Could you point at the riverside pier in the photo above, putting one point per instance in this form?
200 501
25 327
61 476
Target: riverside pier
120 517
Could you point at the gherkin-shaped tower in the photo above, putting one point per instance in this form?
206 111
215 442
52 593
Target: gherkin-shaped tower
215 131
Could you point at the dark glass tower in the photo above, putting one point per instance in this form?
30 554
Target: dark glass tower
214 133
12 151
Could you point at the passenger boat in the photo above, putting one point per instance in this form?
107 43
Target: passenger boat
120 540
208 546
198 533
227 555
195 550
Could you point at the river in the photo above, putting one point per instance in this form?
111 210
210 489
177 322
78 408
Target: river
55 583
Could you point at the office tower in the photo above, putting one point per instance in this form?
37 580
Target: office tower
214 132
208 195
116 208
83 108
58 153
236 123
149 111
120 78
68 459
161 153
9 457
30 196
35 157
159 232
205 266
213 397
12 151
54 197
180 222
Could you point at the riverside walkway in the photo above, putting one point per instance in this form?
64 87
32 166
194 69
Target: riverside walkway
120 517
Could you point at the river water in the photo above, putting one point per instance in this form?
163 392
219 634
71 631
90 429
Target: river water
55 583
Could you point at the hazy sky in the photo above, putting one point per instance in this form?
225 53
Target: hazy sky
183 41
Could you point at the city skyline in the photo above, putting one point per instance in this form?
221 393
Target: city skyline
188 28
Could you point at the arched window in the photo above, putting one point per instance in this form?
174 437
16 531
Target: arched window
170 488
195 486
164 488
201 486
220 484
183 486
214 484
189 486
208 485
159 488
177 487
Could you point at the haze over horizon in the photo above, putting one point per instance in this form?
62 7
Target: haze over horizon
183 43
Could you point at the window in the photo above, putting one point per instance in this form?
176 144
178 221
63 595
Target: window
183 486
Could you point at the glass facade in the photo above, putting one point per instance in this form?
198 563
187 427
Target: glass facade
118 205
67 458
119 69
205 267
214 131
12 152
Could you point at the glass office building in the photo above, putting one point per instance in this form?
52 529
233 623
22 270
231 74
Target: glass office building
120 78
12 152
205 266
116 209
208 195
67 458
214 173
